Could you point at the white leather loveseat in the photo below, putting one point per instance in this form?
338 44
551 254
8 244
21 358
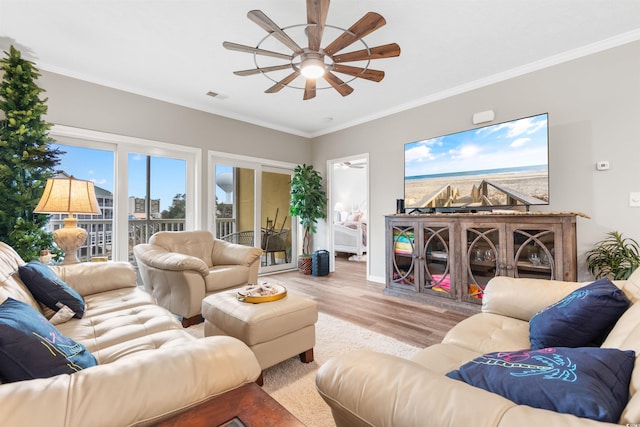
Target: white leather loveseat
366 388
148 366
180 268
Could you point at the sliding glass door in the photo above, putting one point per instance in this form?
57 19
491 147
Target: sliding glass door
235 204
252 208
275 222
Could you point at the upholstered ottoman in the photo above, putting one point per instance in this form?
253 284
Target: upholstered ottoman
275 331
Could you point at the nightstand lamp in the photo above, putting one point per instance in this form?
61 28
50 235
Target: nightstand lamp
70 196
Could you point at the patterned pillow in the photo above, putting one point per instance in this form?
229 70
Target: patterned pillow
49 289
582 318
31 347
588 382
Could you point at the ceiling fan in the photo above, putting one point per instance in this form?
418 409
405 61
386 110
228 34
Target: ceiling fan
351 165
313 62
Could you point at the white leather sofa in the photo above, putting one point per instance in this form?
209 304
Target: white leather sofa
149 367
366 388
180 268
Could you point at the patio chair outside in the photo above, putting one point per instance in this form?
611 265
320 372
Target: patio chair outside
240 237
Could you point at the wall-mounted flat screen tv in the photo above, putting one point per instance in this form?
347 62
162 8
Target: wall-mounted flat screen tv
500 165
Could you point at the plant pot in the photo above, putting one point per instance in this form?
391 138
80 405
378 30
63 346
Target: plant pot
305 264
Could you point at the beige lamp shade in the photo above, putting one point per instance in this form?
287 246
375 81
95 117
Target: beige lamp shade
69 195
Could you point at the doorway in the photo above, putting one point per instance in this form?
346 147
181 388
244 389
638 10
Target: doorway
252 206
349 209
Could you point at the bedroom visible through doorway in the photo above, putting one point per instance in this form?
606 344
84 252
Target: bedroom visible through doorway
348 209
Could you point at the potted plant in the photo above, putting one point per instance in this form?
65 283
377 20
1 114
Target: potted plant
309 204
614 257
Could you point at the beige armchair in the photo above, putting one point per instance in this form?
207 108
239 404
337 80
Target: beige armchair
180 268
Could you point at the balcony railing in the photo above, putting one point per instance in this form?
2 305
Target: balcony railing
225 226
100 233
141 229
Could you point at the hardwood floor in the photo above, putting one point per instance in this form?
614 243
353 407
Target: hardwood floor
347 294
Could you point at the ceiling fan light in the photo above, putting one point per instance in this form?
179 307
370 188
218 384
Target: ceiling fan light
312 68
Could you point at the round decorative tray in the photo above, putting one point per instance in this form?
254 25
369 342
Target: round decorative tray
261 292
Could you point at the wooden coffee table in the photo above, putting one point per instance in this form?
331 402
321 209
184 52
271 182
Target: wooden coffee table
246 406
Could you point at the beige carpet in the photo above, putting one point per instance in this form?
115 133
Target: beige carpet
292 382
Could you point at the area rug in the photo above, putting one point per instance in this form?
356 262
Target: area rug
292 383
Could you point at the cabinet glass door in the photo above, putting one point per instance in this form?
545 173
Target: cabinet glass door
483 259
533 253
438 260
404 268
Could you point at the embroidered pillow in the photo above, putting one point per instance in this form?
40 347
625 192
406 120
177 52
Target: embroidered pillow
31 347
49 289
588 382
582 318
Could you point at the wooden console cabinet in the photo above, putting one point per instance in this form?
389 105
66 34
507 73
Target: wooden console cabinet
447 259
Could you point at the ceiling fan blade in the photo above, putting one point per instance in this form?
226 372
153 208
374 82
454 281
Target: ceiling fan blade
249 49
271 27
262 70
317 15
342 88
282 83
366 25
378 52
368 74
309 89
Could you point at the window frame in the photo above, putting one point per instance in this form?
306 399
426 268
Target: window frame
122 146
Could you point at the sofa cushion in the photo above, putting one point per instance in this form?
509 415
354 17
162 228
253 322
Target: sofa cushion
488 332
61 316
588 382
49 289
31 347
582 318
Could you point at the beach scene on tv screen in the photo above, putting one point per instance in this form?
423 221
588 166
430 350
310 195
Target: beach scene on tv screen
505 164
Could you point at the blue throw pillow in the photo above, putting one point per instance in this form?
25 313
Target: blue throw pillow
49 289
31 347
582 318
588 382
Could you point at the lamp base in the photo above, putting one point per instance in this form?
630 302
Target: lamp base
69 239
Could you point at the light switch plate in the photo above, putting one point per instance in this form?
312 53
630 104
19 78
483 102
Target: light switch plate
634 199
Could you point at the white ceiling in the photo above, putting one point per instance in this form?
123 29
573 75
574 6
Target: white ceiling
172 49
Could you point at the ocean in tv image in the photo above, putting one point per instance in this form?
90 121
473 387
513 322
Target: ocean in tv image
505 164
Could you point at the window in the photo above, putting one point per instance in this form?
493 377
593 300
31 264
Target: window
157 192
164 174
97 165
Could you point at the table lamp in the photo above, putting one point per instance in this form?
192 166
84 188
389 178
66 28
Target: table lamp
70 196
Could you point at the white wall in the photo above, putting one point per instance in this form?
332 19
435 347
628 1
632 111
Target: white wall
594 114
349 188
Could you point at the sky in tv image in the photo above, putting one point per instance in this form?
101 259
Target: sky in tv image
520 144
505 164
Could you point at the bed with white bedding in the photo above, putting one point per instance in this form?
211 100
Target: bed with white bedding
350 237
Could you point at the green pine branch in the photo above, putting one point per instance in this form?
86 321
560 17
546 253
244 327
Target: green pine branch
27 157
